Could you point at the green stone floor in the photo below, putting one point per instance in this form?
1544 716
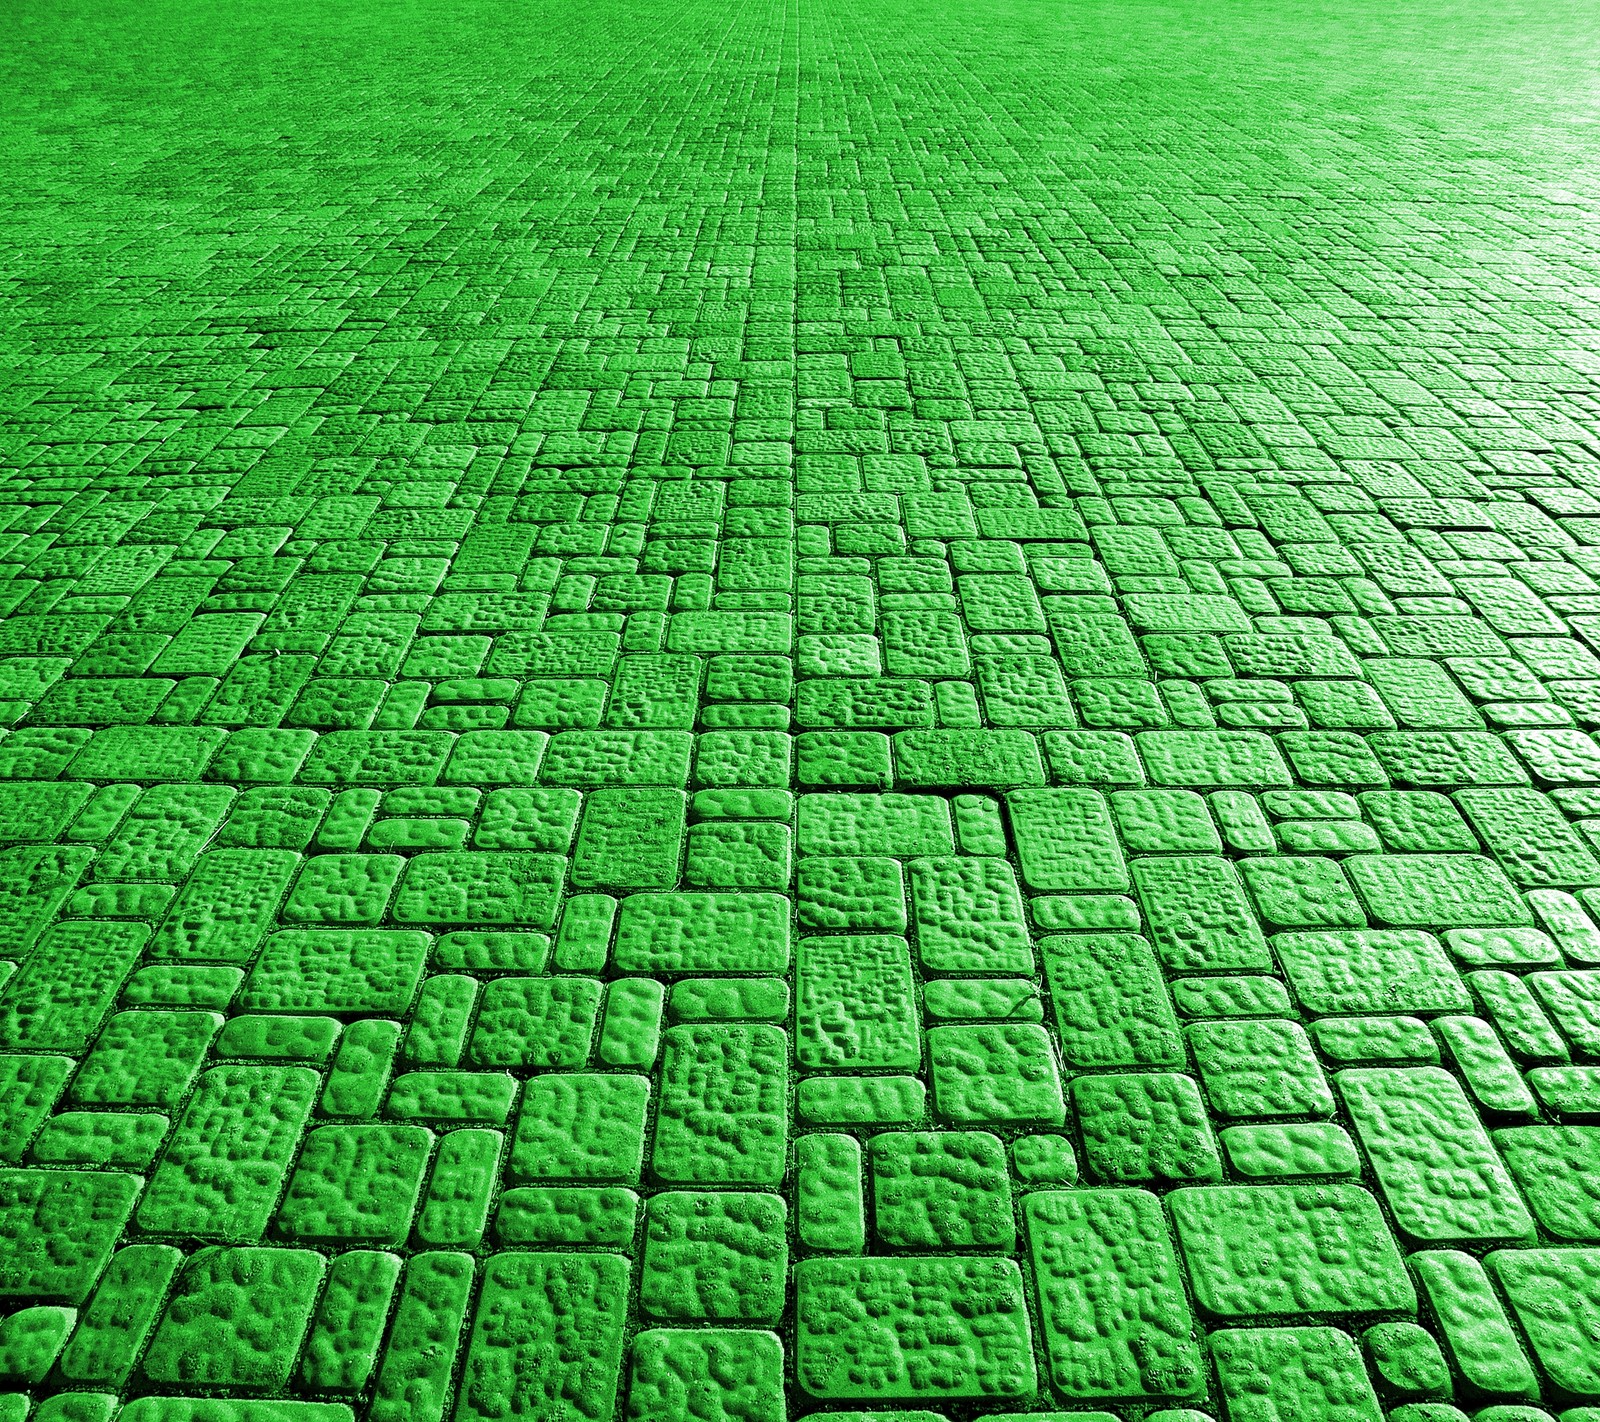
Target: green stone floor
717 712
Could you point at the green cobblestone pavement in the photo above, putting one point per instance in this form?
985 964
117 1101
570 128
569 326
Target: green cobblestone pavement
717 712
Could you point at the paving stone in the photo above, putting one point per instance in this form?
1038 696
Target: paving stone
418 1358
1405 1361
336 970
723 1111
1271 1151
557 1214
861 1100
1002 1075
118 1316
1066 841
236 1319
703 933
714 1257
840 1323
341 1348
941 1190
1291 1250
1479 1340
1259 1069
829 1204
1438 1170
1558 1169
225 1165
581 1127
968 915
1551 1291
855 1004
1198 915
1115 1321
1379 970
546 1325
356 1184
1145 1128
712 1373
1314 1373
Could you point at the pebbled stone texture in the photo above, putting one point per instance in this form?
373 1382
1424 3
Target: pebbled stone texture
710 713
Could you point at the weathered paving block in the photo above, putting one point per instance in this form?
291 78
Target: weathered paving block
993 759
1552 1292
58 1228
1111 1007
946 1328
718 1374
1116 1324
225 906
477 887
1436 890
547 1327
1311 1148
1259 1069
1145 1128
1292 1250
571 1214
993 1074
703 933
714 1256
223 1170
1311 1373
896 825
536 1022
414 1372
855 1004
723 1110
830 1210
118 1317
581 1127
355 1184
968 915
341 1348
336 970
1482 1346
1376 970
1199 917
1066 841
58 998
1437 1167
1558 1168
236 1319
981 999
941 1190
629 839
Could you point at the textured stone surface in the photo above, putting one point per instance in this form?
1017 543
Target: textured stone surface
715 1257
1438 1170
1006 594
892 1330
1114 1317
1301 1250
